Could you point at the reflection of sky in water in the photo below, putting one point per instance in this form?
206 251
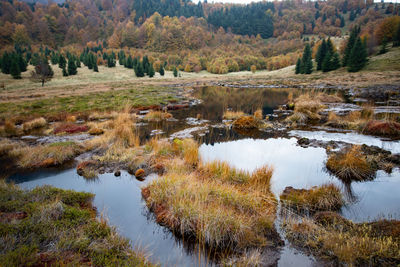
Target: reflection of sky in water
351 137
303 168
121 201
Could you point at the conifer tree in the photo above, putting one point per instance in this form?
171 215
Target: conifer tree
175 72
384 44
307 65
358 56
327 62
298 66
162 72
95 67
319 57
14 69
335 61
62 62
151 71
139 71
72 70
64 72
396 36
22 63
6 63
350 43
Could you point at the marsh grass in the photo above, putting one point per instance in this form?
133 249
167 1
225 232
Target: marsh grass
218 205
322 198
307 107
34 124
364 244
258 114
59 228
351 165
156 115
232 115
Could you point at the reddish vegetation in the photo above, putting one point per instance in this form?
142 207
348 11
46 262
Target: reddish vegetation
383 128
139 173
159 168
71 128
47 163
246 122
10 216
177 106
153 107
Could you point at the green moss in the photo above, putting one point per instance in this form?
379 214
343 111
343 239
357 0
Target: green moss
50 222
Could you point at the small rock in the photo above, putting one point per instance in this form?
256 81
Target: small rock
139 173
303 141
117 173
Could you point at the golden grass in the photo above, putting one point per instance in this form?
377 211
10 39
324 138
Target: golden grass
219 205
350 244
246 122
232 115
45 155
9 129
323 198
34 124
155 115
351 165
71 118
258 114
306 108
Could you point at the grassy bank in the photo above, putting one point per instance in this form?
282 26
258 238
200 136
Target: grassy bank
47 226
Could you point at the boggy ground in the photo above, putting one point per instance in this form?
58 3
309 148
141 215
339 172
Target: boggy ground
47 226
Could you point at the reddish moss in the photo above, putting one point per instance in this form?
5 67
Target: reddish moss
383 128
70 128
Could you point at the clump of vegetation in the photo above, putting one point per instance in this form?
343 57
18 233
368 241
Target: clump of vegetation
219 205
155 115
355 120
34 124
258 114
383 128
8 129
70 128
246 122
43 156
87 169
351 164
335 238
306 108
96 131
59 228
233 115
323 198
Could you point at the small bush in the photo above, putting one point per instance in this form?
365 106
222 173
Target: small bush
246 122
383 128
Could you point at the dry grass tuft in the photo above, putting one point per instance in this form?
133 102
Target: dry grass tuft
34 124
123 132
323 198
71 118
233 115
258 114
246 122
349 244
328 98
219 205
351 165
157 116
9 129
307 108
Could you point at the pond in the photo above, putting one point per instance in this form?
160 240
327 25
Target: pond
120 200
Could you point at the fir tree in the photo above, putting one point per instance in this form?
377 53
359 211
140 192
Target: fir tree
64 72
335 61
62 62
350 43
14 69
6 63
175 72
358 56
384 44
22 63
319 57
307 65
139 71
327 62
54 58
151 71
162 72
72 70
95 67
396 37
129 62
298 66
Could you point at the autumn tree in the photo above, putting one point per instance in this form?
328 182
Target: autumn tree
42 73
